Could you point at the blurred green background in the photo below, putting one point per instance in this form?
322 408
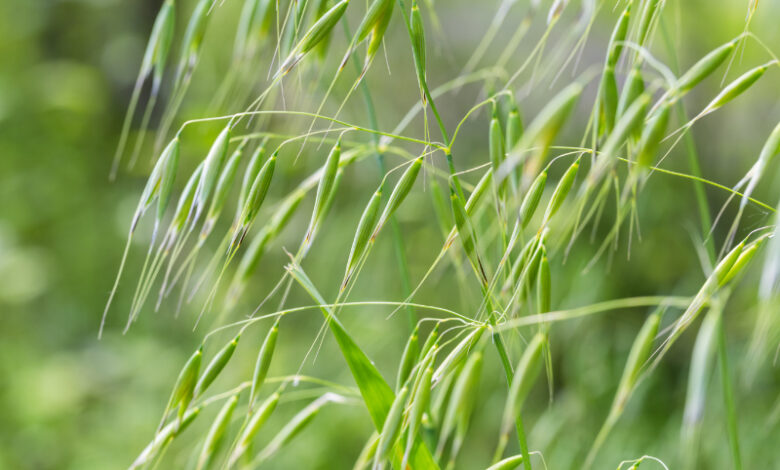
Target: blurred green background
69 401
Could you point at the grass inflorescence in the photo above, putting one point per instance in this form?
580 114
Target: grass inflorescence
526 215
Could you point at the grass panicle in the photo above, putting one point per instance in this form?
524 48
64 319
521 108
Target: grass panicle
466 264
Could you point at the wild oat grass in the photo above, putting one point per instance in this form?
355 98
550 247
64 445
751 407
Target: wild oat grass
504 258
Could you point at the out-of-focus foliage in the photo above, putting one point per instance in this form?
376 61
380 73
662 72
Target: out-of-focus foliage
69 401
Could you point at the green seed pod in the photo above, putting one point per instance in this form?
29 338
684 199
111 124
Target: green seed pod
441 399
325 186
768 151
646 20
329 201
737 87
632 89
630 122
364 228
609 98
154 59
159 45
742 261
640 351
250 174
561 191
256 421
713 282
418 41
496 147
151 190
322 28
318 32
294 427
211 168
185 383
420 401
457 354
719 274
771 146
468 237
652 135
392 427
528 251
463 396
263 362
259 191
170 157
378 32
532 198
409 358
424 363
543 284
216 433
704 67
432 339
224 184
509 463
192 40
184 204
615 47
533 263
215 366
529 272
479 190
496 141
514 124
400 192
321 7
543 129
254 253
377 13
526 372
159 184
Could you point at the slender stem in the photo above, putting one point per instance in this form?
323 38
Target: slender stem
316 116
